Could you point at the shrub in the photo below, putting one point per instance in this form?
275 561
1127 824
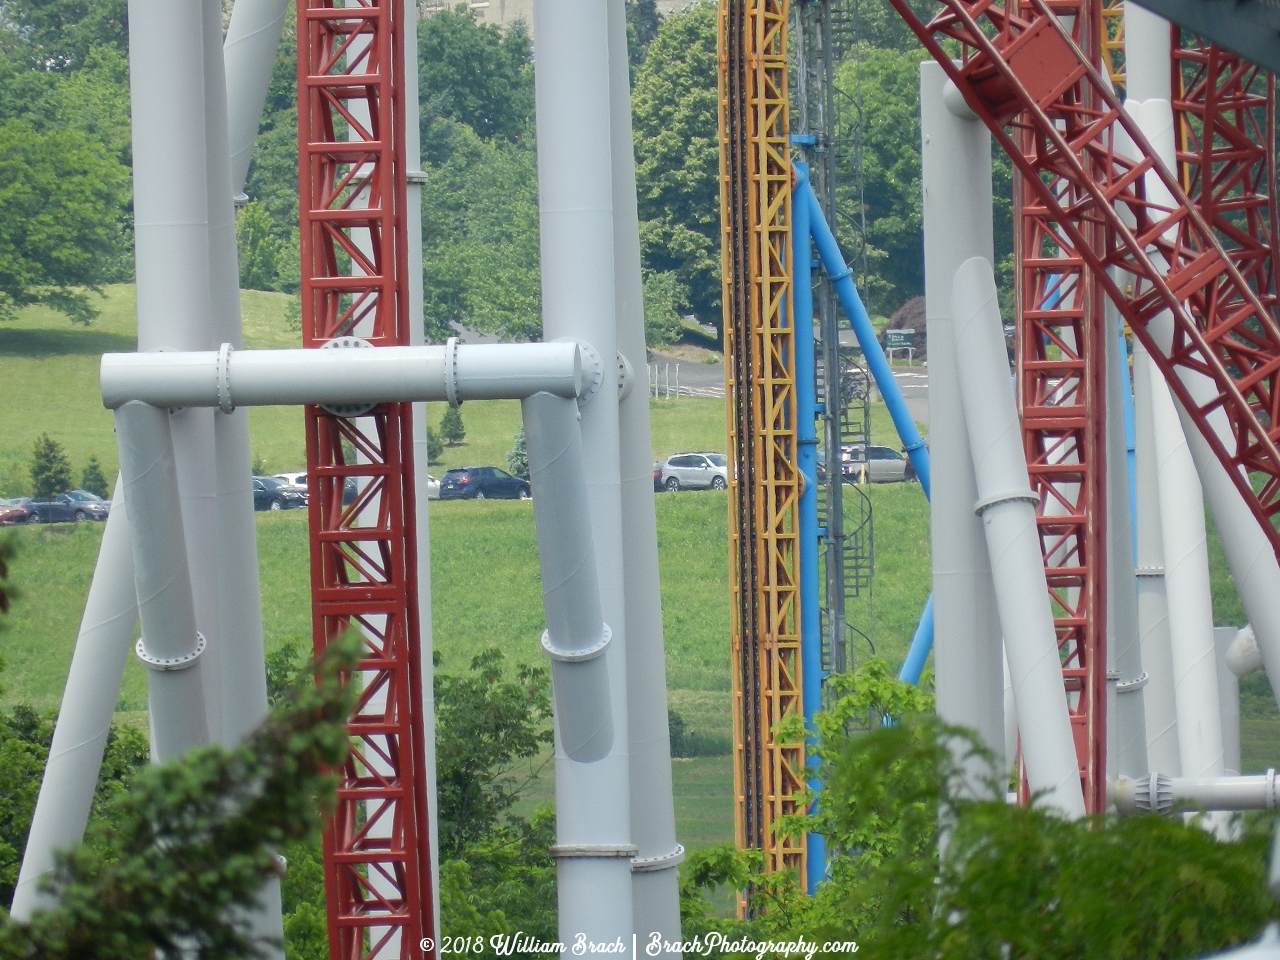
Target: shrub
92 479
50 468
451 427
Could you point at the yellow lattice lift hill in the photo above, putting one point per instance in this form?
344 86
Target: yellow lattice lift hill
764 487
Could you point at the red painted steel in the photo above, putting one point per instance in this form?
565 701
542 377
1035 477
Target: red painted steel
1024 70
1061 360
1225 124
363 554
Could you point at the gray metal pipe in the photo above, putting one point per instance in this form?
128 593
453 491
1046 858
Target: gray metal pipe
967 649
577 636
88 707
655 883
1160 712
253 36
236 378
575 203
170 646
1007 507
1159 793
1126 717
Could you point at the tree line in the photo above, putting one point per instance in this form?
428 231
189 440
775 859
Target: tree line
66 219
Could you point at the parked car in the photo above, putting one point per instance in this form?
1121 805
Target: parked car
73 506
479 483
696 471
433 488
885 465
13 511
657 475
271 494
297 478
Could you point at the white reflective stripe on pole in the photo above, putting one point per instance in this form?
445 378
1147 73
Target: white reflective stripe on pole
575 203
967 647
231 378
656 892
1008 511
170 643
1126 723
253 36
1186 574
1153 610
84 719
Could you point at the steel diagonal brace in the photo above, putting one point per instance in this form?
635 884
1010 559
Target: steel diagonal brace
1194 251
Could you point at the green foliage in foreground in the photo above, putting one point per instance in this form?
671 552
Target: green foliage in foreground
190 845
1015 881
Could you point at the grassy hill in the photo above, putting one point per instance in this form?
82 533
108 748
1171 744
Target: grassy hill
485 584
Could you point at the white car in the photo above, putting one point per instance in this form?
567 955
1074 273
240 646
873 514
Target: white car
692 471
299 481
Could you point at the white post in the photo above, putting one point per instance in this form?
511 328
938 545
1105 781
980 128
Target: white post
1126 723
88 707
253 36
421 462
1163 752
1186 563
575 193
655 887
967 649
171 647
1228 699
1007 507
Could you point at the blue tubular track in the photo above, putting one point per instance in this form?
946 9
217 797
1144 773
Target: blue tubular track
807 446
842 278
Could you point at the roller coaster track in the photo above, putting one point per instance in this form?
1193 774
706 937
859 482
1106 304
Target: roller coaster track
363 554
764 488
1023 69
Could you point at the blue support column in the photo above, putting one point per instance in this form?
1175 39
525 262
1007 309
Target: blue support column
807 447
842 277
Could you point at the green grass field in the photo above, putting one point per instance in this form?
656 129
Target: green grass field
485 583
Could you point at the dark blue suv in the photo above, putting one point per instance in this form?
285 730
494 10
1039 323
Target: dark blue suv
481 483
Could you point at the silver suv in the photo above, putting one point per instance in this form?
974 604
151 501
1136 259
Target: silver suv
695 471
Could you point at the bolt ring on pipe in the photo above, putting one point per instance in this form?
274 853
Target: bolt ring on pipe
985 504
168 663
451 372
576 656
225 403
662 862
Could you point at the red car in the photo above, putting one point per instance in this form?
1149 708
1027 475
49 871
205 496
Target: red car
14 511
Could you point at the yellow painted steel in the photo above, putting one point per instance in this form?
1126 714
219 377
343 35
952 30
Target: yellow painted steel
764 487
1113 40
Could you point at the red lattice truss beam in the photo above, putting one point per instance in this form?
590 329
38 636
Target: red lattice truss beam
1023 70
363 553
1062 385
1224 121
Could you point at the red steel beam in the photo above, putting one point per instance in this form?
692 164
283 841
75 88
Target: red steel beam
1225 128
351 182
1022 69
1061 361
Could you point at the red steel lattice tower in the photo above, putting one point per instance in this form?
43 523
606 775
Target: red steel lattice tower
1061 361
351 184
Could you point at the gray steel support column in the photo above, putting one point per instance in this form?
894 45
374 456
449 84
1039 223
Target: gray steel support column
249 51
967 650
655 891
575 195
88 707
171 646
1126 721
421 467
1160 714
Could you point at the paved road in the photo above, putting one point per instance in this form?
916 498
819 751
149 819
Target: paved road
914 382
